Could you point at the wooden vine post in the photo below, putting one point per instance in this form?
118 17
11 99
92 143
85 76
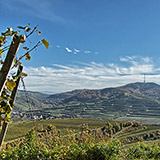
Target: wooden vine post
8 87
4 74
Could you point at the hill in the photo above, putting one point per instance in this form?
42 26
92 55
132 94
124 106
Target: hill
135 100
26 101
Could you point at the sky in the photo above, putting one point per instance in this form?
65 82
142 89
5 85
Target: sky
94 44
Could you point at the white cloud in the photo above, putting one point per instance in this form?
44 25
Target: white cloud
87 52
146 59
68 50
58 46
76 50
134 59
60 78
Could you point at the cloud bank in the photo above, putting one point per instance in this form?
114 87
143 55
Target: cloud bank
61 78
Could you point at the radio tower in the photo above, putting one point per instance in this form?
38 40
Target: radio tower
144 78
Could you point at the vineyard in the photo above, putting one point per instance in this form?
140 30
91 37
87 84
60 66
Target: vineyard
102 141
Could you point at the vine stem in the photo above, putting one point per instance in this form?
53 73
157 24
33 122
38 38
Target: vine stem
38 44
32 31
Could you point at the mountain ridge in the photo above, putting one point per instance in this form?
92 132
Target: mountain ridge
133 100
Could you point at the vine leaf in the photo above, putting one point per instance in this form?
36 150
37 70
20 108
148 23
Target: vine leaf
26 48
1 51
45 43
17 62
2 40
20 27
38 32
8 115
24 28
10 84
23 74
22 38
28 56
1 62
9 32
28 29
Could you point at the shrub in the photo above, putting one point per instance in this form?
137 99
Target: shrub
86 145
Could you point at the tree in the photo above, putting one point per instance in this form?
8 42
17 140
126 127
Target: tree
9 79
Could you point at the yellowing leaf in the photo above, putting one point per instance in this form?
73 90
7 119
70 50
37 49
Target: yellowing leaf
24 28
10 85
20 27
8 115
25 48
1 62
38 32
15 60
1 51
2 40
15 77
19 63
23 74
45 42
22 38
28 56
28 29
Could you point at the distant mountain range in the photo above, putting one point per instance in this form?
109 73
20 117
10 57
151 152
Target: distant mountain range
131 100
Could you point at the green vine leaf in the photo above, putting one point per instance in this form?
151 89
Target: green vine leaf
45 43
28 56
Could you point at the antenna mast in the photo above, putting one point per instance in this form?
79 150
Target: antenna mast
144 78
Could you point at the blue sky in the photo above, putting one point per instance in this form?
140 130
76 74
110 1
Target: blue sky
93 44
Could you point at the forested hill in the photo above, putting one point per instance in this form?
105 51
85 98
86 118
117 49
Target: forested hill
131 100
